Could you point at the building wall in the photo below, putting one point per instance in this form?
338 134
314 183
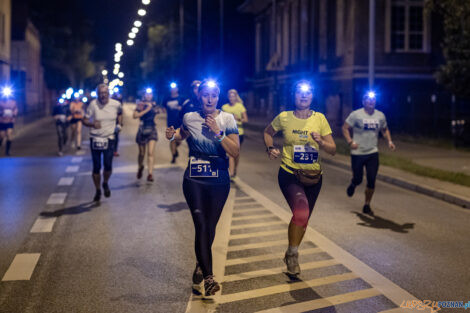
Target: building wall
5 39
26 66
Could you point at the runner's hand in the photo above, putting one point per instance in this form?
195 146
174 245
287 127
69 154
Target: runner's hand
317 137
274 153
354 146
391 145
96 124
170 132
212 124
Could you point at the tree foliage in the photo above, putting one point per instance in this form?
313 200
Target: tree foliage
455 16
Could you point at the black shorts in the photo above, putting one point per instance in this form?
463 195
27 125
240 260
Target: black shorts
75 120
142 139
104 157
371 163
5 126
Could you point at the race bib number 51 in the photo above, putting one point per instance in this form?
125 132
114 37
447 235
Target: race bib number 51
202 168
305 154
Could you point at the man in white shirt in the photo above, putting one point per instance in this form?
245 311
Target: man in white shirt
101 116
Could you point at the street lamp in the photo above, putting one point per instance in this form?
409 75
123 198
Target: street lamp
104 72
121 75
130 42
116 71
135 30
146 2
118 46
142 12
137 23
132 35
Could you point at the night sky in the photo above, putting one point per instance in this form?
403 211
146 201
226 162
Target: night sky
105 22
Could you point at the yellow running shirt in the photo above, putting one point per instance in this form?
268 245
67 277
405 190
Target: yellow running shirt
300 151
237 110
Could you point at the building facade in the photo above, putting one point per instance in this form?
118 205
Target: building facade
5 40
27 73
327 41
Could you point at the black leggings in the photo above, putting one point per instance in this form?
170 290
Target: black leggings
301 199
371 162
205 202
107 158
61 129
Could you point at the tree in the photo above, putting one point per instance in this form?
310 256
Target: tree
455 73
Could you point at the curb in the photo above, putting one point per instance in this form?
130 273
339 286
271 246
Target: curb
438 194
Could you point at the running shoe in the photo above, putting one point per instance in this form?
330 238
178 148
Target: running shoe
140 172
150 178
292 262
367 210
97 197
210 286
79 148
197 275
173 160
350 190
107 191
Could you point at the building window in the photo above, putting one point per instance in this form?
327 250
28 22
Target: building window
2 28
408 31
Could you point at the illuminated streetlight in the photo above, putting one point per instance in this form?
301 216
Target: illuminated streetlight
135 30
137 23
104 72
146 2
121 75
118 46
117 65
130 42
116 71
132 35
142 12
121 83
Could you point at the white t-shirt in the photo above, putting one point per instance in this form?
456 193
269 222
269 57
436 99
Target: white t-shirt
106 115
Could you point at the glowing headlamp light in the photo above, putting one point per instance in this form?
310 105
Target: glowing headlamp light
85 99
93 94
61 100
116 89
211 84
148 90
7 92
173 85
305 87
371 95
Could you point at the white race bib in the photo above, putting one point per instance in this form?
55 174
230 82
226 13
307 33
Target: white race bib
201 168
8 113
98 143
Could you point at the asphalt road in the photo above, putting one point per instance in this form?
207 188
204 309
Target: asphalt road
134 252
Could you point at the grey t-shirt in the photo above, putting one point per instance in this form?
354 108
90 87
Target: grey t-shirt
366 129
106 115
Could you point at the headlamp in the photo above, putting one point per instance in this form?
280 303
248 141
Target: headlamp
84 99
173 85
7 91
211 84
93 94
61 100
76 95
304 87
371 95
148 90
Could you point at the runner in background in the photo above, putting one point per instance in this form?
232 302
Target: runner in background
173 106
365 123
8 114
238 110
61 113
77 110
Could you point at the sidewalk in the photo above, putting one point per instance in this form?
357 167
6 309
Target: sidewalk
450 160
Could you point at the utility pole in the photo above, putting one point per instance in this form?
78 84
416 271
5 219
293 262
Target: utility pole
199 33
371 44
181 15
221 7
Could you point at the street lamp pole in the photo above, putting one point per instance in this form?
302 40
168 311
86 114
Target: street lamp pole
371 44
199 32
221 33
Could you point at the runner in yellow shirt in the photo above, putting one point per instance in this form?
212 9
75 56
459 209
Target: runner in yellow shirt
305 133
236 107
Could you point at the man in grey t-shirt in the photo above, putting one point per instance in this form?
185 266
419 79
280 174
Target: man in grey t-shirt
366 123
101 116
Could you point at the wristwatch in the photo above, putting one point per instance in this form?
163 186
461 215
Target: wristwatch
270 148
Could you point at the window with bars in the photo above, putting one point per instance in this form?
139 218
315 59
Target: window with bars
407 29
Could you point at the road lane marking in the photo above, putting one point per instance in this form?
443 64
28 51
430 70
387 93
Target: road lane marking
77 159
133 169
249 218
243 226
266 257
57 198
43 225
278 270
72 169
66 181
259 234
237 199
219 254
272 290
389 289
325 302
80 152
22 267
256 245
252 207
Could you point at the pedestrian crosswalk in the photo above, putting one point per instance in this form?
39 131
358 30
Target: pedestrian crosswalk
254 277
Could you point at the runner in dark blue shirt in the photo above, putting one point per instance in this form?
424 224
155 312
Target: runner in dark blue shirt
174 105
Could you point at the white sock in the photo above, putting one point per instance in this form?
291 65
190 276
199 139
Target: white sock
292 250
